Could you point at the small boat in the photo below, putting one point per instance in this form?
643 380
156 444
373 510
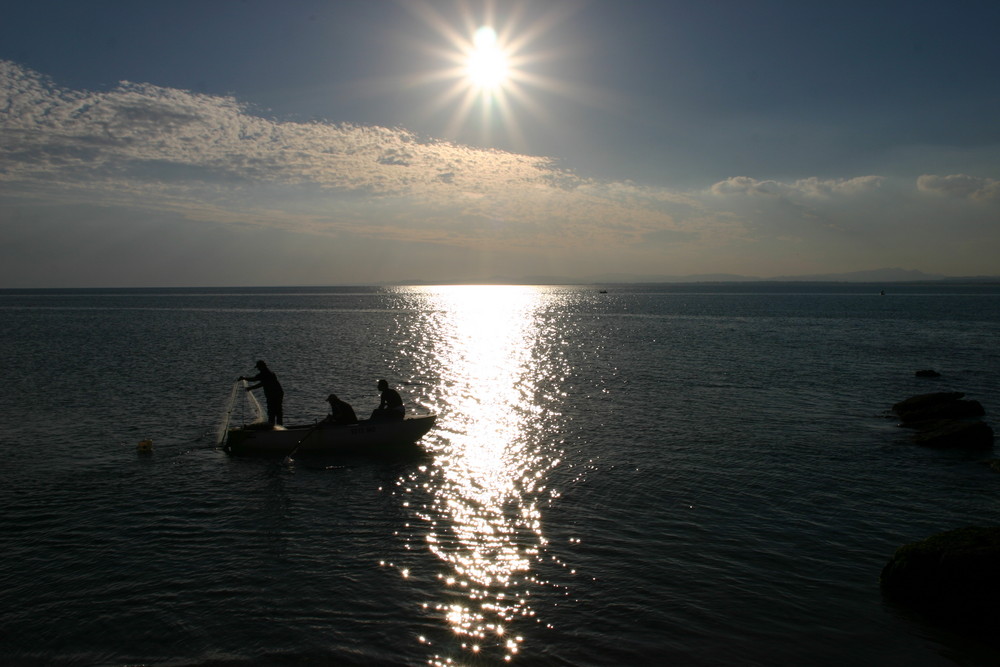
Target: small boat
366 438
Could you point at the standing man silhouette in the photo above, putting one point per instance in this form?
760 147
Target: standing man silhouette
273 393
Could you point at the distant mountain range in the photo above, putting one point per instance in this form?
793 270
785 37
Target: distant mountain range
873 276
894 275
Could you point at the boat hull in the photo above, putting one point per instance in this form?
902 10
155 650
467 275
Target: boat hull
366 438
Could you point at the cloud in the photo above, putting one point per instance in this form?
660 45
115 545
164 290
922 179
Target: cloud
961 186
804 211
139 150
210 156
862 222
70 135
806 188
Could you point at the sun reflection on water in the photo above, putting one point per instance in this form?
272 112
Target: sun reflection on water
497 446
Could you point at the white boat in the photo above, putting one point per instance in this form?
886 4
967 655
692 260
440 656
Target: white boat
366 438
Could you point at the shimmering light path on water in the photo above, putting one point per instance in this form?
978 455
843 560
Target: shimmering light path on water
499 369
691 475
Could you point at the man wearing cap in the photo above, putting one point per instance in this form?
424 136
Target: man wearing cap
273 394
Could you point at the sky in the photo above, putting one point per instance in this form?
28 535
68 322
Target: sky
309 142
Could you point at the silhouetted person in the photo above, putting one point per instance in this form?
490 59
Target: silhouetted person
390 407
341 412
273 393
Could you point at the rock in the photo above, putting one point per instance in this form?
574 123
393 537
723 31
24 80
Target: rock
953 575
928 373
917 404
941 405
954 433
944 420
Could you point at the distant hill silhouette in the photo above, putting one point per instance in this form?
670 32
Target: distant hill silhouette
873 276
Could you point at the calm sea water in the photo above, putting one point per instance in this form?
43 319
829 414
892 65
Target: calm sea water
685 475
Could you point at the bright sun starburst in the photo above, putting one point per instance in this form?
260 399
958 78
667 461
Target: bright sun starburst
487 64
490 67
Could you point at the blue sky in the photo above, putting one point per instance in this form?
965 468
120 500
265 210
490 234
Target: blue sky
275 143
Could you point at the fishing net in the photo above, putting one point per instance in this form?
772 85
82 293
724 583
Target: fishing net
242 405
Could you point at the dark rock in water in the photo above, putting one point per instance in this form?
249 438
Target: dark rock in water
951 575
922 402
928 373
941 405
954 433
944 420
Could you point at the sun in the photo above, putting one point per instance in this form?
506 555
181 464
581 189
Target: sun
494 63
487 67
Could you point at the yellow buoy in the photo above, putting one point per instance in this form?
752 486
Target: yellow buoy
145 446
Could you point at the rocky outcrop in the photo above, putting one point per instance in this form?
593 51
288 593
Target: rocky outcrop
940 405
945 420
952 574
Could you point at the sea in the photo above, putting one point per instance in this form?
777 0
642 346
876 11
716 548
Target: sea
678 474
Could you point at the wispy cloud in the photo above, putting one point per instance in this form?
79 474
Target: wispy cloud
212 159
961 186
807 188
175 149
87 135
